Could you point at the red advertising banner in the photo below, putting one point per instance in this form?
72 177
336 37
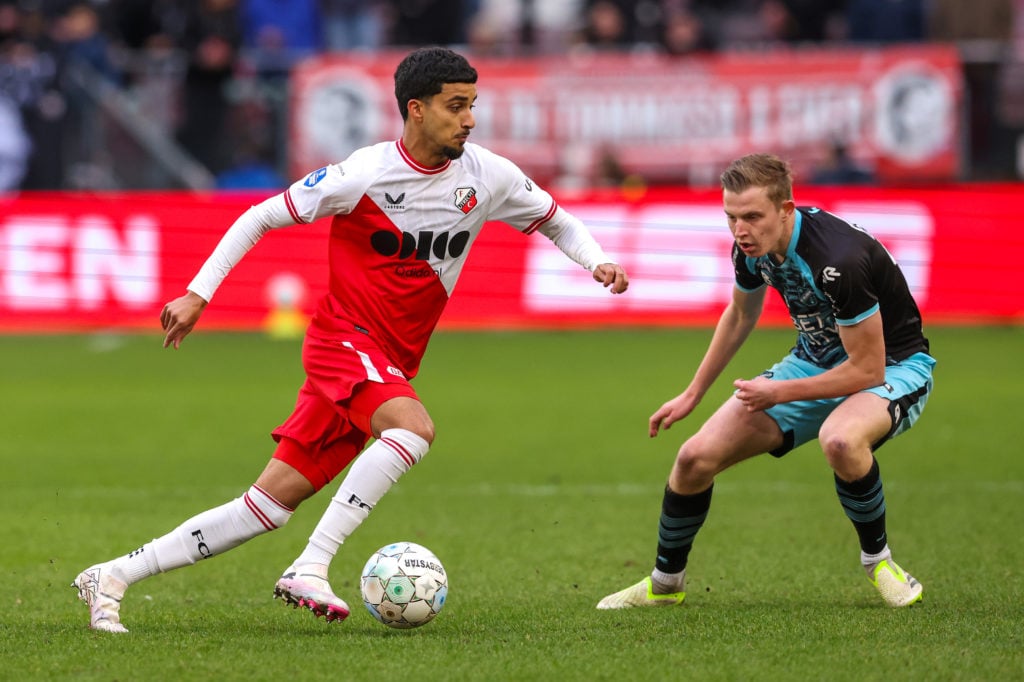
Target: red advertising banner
667 119
110 261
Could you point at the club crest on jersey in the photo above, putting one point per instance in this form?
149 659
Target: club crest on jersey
465 199
315 177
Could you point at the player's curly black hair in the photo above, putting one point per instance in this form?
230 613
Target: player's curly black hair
424 72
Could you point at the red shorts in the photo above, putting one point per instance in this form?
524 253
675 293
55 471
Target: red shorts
347 379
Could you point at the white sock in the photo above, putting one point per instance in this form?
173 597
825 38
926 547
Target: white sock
371 475
668 583
207 534
869 561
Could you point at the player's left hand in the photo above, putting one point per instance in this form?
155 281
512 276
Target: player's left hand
757 393
179 317
612 275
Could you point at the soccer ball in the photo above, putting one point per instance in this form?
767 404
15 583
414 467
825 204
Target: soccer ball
404 585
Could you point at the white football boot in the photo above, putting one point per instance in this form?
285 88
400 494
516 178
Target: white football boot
306 587
102 587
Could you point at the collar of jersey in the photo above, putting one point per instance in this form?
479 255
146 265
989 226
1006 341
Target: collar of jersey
420 168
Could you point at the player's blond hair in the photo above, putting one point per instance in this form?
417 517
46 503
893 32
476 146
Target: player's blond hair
760 170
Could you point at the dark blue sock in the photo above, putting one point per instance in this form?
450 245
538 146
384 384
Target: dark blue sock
864 503
681 517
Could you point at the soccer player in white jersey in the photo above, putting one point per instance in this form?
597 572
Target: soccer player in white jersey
859 374
405 215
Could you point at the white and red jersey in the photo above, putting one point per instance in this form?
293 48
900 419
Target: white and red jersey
400 236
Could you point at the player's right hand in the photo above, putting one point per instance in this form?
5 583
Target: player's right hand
671 412
179 317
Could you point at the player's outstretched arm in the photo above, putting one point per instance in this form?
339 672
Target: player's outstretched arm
733 328
612 275
179 317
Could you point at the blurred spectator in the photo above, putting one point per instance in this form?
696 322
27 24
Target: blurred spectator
982 29
280 32
607 25
251 138
501 27
212 38
887 21
15 146
810 21
839 168
553 23
743 24
957 21
431 22
685 32
148 24
352 24
1010 97
29 82
760 23
80 40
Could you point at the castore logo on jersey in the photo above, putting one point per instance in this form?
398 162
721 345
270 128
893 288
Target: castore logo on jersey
393 203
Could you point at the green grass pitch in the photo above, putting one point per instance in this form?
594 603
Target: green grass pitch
541 494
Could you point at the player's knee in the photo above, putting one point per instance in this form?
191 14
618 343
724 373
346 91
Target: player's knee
424 430
404 415
838 449
694 463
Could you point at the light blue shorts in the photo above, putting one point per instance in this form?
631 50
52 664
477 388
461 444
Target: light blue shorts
907 386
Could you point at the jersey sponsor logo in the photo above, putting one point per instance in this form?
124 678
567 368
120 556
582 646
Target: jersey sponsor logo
465 199
528 185
394 203
315 177
416 271
829 274
420 245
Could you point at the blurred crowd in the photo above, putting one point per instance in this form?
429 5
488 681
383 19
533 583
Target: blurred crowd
212 72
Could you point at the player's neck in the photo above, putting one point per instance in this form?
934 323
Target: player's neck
778 254
422 152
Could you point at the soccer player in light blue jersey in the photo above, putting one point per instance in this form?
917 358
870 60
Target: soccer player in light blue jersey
858 375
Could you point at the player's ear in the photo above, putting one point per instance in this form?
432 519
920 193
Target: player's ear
416 109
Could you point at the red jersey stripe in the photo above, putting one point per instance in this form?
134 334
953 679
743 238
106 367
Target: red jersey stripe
290 203
547 216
